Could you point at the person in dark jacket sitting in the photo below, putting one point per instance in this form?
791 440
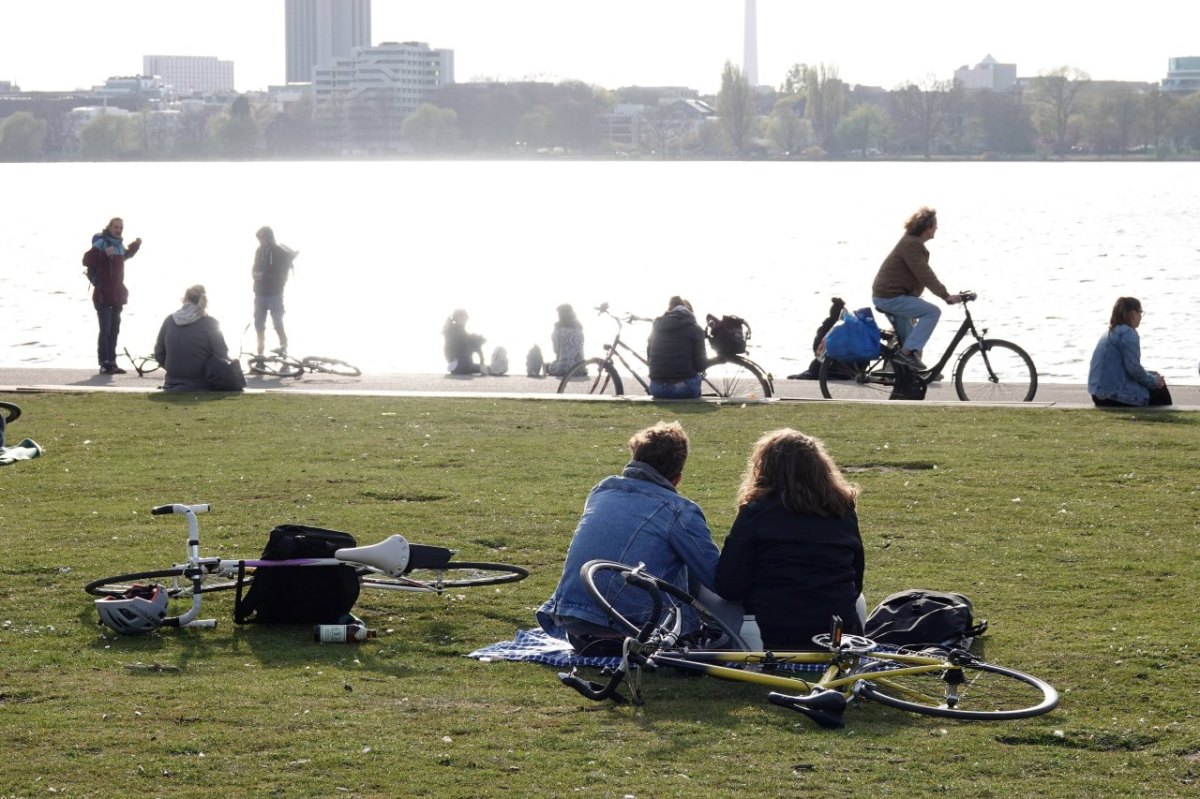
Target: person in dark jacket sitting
794 556
676 353
186 341
463 350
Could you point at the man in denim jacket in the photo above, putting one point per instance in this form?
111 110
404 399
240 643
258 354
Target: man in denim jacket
637 517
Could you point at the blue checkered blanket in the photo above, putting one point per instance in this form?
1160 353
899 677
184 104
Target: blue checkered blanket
536 646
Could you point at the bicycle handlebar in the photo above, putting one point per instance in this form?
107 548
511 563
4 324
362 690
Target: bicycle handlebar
596 691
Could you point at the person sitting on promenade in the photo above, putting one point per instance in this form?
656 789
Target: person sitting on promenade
902 278
188 339
676 353
794 556
567 338
463 350
636 517
1116 377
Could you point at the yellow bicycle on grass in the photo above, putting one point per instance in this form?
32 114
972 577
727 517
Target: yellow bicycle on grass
819 684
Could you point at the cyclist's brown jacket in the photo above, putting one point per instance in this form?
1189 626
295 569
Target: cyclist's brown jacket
906 270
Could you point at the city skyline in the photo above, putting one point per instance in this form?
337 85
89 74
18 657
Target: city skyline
666 42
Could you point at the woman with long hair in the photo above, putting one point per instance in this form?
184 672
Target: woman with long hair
794 556
1116 377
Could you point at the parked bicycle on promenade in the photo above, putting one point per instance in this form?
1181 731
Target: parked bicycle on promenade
990 370
819 684
724 375
277 363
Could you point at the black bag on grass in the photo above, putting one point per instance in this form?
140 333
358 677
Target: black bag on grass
918 618
299 594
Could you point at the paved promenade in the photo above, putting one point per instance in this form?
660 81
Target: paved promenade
38 379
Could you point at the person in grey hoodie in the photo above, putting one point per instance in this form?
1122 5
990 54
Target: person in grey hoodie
187 340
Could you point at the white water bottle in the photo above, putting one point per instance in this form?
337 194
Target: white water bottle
342 633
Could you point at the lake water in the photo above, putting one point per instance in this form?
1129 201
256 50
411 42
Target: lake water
389 248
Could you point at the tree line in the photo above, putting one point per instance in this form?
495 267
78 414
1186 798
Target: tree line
812 114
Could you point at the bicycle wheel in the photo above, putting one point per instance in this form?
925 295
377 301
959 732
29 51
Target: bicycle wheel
330 366
995 371
273 366
628 605
453 575
736 376
851 381
14 411
975 690
593 376
179 586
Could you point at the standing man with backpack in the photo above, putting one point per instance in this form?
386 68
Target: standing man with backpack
105 262
272 265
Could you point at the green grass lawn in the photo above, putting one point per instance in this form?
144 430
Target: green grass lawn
1074 532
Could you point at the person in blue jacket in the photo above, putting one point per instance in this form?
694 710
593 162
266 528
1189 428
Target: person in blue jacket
1116 377
635 517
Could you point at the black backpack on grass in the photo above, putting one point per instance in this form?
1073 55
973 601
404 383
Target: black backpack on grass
299 594
918 619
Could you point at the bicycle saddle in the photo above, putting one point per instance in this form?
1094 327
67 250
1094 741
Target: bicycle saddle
392 555
825 707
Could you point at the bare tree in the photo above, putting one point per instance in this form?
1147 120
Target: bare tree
1058 92
924 110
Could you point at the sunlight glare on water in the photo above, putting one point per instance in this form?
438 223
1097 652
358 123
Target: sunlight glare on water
389 248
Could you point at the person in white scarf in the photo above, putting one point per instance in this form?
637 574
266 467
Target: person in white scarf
188 338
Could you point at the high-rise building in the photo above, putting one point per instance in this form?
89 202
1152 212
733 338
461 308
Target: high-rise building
319 31
750 44
190 74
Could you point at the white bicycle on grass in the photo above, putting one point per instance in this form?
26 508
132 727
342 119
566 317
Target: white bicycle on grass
137 602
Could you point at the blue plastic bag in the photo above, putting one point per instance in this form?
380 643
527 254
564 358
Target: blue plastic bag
854 338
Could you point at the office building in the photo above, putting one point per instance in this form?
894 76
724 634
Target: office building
365 98
191 74
319 31
1183 75
987 75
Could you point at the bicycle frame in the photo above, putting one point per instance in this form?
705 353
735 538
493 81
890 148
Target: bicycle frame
967 326
390 556
612 350
144 364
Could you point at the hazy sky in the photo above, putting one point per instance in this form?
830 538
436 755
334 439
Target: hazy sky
68 44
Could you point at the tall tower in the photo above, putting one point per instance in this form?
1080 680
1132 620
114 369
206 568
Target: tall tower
750 44
318 31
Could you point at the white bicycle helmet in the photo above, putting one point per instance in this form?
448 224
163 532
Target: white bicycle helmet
141 609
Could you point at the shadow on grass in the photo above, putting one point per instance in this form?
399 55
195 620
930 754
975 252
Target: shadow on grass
189 397
1151 415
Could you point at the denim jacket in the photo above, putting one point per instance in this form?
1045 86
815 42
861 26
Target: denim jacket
638 517
1116 372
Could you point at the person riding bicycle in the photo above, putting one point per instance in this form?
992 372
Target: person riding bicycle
902 278
635 517
676 353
